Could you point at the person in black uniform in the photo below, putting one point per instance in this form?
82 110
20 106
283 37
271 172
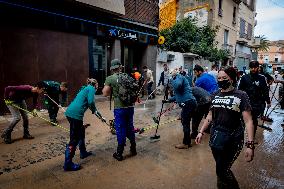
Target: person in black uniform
255 85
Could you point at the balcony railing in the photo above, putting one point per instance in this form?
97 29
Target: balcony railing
229 48
243 35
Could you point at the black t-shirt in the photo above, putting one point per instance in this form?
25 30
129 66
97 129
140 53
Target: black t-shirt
227 108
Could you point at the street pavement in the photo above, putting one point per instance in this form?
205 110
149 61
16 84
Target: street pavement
38 163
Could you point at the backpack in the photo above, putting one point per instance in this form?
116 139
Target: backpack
127 89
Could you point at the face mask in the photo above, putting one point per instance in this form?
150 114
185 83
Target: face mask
225 84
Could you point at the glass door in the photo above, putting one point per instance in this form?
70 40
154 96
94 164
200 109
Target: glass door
98 61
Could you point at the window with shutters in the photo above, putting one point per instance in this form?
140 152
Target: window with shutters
242 28
249 33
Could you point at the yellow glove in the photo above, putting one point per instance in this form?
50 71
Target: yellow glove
8 102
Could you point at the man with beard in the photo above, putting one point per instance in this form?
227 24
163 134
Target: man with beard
255 85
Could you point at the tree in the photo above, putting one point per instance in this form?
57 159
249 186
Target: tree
264 44
185 36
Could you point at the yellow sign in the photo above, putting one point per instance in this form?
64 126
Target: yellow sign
161 40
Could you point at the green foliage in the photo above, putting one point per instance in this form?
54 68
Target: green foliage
264 44
185 36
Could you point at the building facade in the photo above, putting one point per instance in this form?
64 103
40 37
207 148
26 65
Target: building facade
234 18
274 56
73 40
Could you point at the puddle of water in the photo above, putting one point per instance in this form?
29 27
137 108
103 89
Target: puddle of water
273 141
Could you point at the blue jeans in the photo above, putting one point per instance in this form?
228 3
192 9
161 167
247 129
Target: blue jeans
124 125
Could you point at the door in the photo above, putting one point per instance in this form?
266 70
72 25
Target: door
98 61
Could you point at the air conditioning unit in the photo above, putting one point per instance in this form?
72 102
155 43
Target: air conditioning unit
162 56
170 57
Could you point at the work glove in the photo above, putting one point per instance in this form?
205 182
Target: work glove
165 101
34 112
8 102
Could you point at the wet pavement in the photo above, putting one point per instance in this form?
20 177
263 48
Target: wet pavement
38 163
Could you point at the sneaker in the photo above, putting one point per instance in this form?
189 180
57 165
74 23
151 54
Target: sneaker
117 156
7 138
182 146
28 136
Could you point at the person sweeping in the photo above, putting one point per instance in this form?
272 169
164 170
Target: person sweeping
75 113
15 96
53 90
184 97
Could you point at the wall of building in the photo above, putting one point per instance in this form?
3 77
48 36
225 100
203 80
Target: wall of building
274 56
143 11
114 6
176 63
249 16
224 20
30 55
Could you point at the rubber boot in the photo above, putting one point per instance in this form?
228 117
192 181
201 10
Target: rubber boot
68 164
118 154
83 152
133 151
7 137
27 134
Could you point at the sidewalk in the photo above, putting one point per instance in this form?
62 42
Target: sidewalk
38 163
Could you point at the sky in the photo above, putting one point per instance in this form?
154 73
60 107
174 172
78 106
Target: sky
270 19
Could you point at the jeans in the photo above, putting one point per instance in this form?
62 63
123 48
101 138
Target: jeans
224 160
149 89
52 107
186 114
77 134
124 125
16 117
